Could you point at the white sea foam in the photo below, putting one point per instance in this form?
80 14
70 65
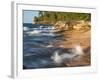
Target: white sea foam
49 46
26 28
76 51
34 32
48 34
56 57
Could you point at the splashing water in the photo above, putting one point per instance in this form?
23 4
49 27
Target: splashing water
34 32
76 51
56 57
25 28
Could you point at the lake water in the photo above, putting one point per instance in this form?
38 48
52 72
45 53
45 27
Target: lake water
39 45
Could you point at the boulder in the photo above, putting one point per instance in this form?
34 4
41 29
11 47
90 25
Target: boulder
76 25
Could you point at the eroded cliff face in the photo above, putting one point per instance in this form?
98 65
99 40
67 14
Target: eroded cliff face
61 25
72 25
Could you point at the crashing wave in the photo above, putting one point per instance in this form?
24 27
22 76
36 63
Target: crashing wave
33 32
76 52
25 28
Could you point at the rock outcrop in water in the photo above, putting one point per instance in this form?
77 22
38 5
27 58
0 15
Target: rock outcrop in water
61 25
70 25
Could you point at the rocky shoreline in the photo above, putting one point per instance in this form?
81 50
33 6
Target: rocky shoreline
62 39
72 25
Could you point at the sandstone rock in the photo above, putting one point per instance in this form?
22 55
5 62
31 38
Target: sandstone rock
82 25
61 25
76 25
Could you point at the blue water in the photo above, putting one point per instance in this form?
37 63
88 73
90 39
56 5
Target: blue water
38 46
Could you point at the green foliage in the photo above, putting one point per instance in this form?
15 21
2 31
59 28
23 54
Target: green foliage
52 17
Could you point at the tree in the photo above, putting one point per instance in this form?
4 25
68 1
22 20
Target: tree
49 17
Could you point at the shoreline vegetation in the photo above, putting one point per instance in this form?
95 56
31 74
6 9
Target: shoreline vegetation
64 20
45 17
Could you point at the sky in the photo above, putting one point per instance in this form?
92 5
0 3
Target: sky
29 15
